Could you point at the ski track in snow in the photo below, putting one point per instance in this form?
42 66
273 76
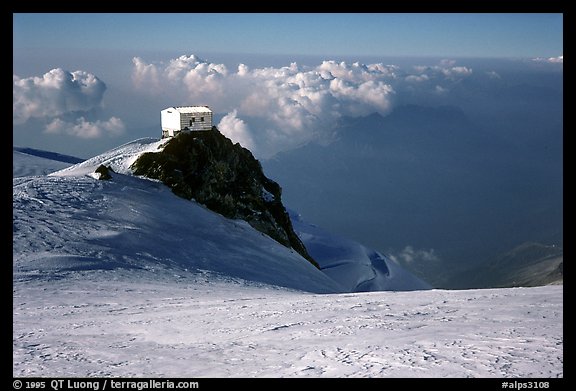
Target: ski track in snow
112 324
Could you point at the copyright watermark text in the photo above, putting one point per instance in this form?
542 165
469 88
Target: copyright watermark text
104 384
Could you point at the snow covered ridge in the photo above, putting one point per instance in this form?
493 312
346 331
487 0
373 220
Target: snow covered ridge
119 159
123 278
138 223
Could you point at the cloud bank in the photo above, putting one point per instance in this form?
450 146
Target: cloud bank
285 106
236 129
270 109
86 129
553 60
63 99
410 255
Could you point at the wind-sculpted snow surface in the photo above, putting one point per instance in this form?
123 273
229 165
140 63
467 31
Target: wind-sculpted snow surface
355 267
63 224
70 221
115 325
124 278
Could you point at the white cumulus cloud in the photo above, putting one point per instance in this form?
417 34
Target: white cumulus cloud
556 59
86 129
456 72
184 77
286 105
278 108
553 60
445 70
409 254
417 78
64 100
145 74
493 75
447 62
55 93
236 129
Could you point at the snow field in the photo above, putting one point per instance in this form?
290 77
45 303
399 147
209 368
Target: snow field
123 278
115 325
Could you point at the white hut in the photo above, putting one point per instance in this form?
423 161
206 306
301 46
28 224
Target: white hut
181 118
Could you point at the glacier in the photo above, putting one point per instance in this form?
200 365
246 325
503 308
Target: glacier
123 278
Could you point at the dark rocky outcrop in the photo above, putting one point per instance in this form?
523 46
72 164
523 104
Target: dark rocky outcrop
104 172
225 177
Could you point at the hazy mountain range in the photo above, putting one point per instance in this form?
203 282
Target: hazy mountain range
431 180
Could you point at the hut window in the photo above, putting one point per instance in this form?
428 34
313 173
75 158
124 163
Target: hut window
201 119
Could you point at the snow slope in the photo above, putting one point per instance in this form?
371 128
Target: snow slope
146 215
24 164
355 267
124 278
112 324
69 221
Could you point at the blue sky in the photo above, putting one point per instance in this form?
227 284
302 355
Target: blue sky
386 34
83 83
